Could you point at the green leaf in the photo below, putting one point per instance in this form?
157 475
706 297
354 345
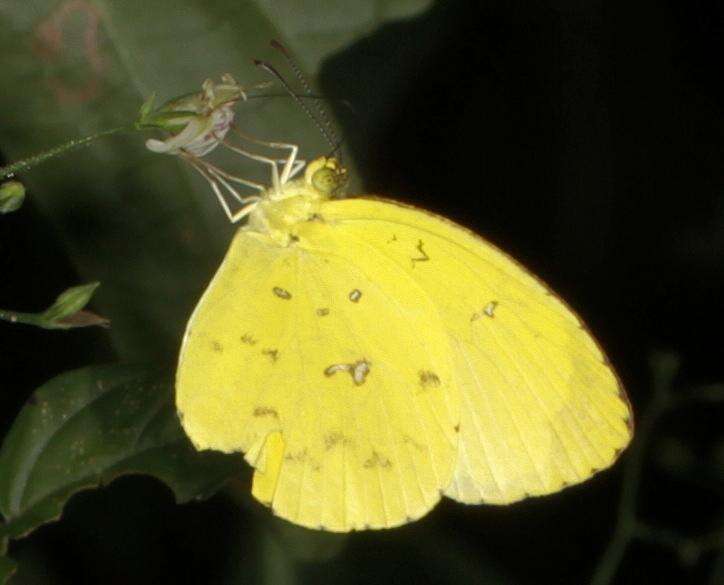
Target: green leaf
12 195
89 426
68 303
147 107
144 224
65 313
7 569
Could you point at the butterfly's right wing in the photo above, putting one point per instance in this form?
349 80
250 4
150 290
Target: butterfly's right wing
542 406
330 369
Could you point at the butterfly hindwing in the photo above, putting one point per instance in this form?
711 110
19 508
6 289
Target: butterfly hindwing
541 406
331 370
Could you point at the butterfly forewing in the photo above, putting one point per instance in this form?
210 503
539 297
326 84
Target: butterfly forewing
331 369
541 406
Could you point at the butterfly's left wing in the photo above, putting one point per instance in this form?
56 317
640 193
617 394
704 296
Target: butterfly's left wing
331 371
542 406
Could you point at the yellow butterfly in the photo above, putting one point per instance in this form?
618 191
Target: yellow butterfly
369 358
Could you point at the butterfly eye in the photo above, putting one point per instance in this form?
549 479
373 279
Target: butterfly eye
329 179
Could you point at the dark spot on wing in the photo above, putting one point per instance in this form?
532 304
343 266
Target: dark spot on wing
423 257
334 368
262 411
489 309
429 379
273 354
407 439
335 438
358 370
355 295
296 456
217 347
282 293
377 460
322 312
247 339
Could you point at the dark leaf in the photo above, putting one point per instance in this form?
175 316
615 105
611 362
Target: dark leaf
7 569
89 426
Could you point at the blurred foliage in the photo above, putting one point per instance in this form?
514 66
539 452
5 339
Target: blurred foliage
667 399
89 426
144 225
7 568
139 223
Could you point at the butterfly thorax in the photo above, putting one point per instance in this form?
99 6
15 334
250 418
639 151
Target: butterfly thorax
296 201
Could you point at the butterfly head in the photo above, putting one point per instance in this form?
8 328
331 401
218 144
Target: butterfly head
327 176
324 178
279 210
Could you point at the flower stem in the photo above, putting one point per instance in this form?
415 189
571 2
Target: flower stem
17 317
28 163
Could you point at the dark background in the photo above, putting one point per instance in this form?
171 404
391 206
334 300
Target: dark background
585 138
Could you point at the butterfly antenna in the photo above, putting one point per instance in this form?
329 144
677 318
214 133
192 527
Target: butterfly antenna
302 79
323 130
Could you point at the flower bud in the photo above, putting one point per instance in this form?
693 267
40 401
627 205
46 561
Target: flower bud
12 195
196 122
67 311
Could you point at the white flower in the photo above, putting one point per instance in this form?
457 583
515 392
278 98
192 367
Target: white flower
203 119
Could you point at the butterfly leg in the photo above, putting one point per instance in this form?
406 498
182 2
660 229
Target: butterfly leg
248 207
276 183
291 165
299 164
215 176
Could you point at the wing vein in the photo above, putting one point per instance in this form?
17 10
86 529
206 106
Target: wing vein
487 400
541 403
604 417
476 423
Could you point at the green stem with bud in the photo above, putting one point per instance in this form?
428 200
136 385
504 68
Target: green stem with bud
28 163
65 313
17 317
